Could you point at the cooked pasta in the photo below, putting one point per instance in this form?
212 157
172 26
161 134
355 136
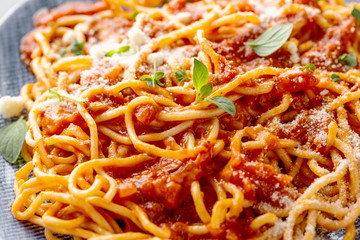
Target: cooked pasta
123 142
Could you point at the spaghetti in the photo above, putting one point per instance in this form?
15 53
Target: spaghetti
115 155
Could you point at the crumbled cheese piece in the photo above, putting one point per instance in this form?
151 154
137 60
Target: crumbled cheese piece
82 27
156 58
68 37
293 50
137 38
184 17
11 106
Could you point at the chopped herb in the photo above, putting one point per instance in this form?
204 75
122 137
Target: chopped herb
153 79
12 139
134 15
356 13
335 78
62 52
309 66
52 95
200 78
77 47
349 59
181 75
203 89
271 40
122 49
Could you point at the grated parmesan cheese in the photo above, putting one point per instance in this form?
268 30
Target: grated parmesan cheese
11 106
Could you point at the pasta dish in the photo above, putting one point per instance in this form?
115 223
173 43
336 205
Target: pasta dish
212 119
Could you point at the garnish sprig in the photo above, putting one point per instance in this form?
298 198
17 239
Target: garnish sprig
153 79
203 89
76 48
271 40
181 75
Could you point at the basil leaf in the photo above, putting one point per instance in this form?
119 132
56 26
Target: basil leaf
200 74
271 40
77 47
62 52
356 13
224 103
110 53
158 82
309 66
52 95
145 77
122 49
150 82
335 78
154 79
349 59
206 90
134 15
158 75
12 139
181 75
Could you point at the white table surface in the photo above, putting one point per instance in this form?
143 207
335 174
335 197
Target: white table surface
6 5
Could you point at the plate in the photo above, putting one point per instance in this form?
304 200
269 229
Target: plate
13 75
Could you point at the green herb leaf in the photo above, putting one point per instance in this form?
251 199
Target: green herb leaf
200 74
77 47
335 78
206 90
356 13
200 79
158 75
153 79
349 59
134 15
12 139
224 103
309 66
52 95
181 75
122 49
62 52
271 40
145 77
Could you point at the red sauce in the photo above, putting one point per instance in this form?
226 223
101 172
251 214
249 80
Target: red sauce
55 119
46 16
